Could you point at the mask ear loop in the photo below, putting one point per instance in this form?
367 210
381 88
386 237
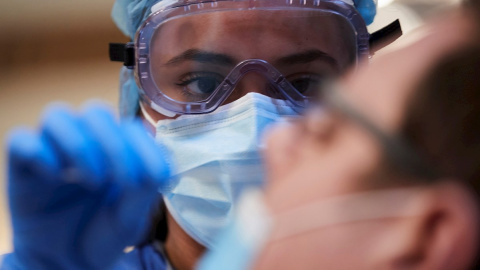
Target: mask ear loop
147 116
347 209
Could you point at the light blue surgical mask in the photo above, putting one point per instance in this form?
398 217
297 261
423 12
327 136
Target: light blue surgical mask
216 156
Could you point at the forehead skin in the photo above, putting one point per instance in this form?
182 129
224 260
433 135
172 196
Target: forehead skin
257 34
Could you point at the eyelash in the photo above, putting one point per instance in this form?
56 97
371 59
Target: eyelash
190 77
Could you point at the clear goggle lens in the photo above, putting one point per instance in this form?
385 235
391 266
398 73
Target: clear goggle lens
194 62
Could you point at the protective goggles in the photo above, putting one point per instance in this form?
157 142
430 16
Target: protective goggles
190 57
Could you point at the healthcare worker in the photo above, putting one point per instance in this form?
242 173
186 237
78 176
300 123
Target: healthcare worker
207 78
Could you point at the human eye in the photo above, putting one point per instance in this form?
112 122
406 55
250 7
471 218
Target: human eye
199 85
306 83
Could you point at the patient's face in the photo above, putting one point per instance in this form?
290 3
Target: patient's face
326 154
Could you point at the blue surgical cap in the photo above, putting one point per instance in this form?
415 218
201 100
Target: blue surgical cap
128 15
367 8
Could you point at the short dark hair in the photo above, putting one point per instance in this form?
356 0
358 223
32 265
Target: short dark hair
442 119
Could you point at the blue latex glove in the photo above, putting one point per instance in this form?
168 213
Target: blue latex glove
81 189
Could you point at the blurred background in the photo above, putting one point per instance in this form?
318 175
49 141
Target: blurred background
57 51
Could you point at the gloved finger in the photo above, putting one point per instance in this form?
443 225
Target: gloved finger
135 209
32 168
128 220
130 215
30 157
154 161
78 156
134 213
102 126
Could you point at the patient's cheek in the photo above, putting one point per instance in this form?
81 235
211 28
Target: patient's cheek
280 152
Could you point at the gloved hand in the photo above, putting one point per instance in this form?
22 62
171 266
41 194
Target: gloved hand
81 189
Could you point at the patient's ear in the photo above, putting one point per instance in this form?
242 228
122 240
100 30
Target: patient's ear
447 236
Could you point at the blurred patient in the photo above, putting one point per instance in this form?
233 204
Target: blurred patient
384 174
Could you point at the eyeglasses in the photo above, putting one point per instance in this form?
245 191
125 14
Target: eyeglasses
397 151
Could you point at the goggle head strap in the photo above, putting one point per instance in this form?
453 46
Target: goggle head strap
385 36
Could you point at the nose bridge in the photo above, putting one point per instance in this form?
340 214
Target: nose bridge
253 76
253 82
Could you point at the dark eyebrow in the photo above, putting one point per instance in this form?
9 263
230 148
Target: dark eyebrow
203 57
307 57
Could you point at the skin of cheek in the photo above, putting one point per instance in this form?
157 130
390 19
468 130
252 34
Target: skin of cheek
343 246
303 169
280 151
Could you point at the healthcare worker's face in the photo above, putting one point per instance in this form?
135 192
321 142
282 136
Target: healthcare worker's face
194 54
327 154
